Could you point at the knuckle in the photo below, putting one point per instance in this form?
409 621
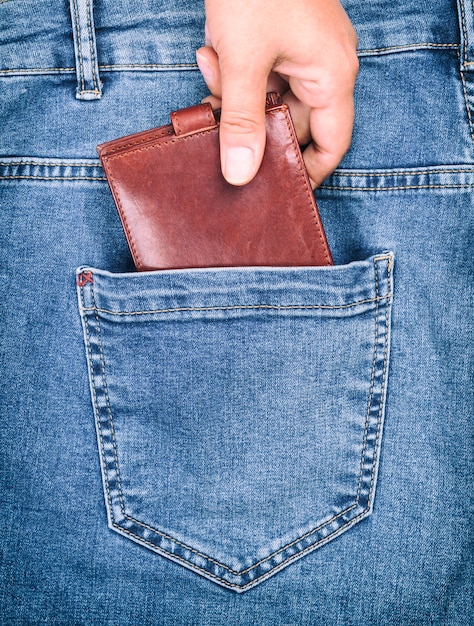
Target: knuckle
348 66
352 63
239 123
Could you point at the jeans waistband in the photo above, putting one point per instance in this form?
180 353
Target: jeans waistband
88 38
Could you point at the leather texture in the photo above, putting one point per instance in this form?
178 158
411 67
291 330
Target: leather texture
178 211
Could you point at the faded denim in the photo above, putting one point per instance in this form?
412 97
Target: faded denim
239 412
164 432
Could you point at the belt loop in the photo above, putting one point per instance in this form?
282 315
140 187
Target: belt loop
466 27
89 86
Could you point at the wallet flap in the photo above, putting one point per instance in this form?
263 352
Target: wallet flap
192 119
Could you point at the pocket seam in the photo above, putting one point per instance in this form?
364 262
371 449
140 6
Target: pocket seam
373 462
244 307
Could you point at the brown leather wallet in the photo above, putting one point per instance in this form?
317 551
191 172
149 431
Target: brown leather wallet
178 211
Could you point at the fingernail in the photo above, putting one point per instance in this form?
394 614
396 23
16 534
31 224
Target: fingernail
239 165
204 66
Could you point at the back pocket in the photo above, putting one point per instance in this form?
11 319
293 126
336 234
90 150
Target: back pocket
239 412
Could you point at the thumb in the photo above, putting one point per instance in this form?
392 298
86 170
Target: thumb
242 123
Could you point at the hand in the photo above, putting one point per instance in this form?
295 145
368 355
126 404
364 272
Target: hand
306 50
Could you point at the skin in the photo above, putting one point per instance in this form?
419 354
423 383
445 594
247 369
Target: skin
306 50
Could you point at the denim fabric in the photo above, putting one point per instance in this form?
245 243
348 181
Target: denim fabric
236 421
239 413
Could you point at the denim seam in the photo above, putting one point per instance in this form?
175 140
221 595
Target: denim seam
262 577
96 407
251 567
32 177
396 188
382 390
88 85
112 66
25 71
463 65
209 559
466 101
244 307
344 173
365 52
372 385
325 187
79 45
395 172
42 162
464 33
407 48
92 50
109 408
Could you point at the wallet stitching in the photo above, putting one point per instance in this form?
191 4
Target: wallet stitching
313 531
136 256
210 115
110 152
176 123
110 157
309 191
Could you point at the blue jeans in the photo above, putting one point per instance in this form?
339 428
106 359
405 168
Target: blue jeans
300 436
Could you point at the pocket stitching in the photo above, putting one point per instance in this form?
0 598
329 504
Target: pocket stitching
207 558
277 307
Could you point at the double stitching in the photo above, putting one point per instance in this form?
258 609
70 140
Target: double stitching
398 187
33 177
394 179
407 48
29 168
309 191
87 68
79 46
90 31
468 108
292 557
276 307
395 172
117 67
465 64
165 67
